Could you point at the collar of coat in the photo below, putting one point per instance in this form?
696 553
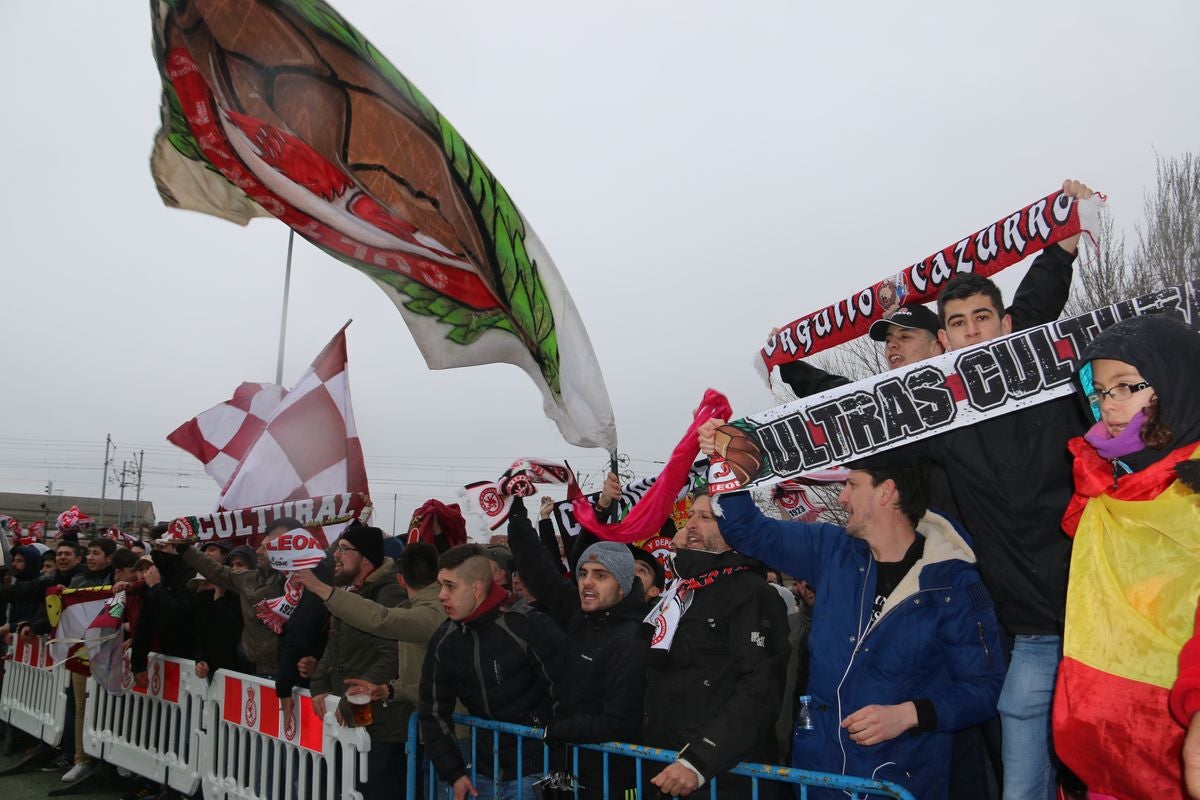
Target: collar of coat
943 543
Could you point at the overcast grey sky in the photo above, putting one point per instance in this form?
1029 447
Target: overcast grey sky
699 171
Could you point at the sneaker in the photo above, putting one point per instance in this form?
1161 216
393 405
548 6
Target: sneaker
61 762
142 793
76 772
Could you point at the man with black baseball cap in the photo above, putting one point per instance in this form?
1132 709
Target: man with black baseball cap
910 335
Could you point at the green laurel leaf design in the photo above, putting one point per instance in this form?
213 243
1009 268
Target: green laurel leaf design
530 315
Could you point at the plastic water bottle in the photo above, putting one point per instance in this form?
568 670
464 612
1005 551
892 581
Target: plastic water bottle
804 713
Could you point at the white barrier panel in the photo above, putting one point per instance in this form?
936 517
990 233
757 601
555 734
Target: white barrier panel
251 752
154 732
34 695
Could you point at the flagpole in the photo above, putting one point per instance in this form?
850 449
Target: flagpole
287 285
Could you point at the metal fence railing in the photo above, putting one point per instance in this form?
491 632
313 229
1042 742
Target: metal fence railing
422 783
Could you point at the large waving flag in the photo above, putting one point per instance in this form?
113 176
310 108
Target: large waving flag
285 108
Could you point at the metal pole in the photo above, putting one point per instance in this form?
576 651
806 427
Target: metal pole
287 285
121 504
395 502
137 506
104 478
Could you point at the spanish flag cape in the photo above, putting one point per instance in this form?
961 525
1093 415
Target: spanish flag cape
1135 575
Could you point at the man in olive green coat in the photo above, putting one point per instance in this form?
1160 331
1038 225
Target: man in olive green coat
412 623
352 654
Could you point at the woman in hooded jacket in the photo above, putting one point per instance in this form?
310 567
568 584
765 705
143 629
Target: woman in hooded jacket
26 570
1135 565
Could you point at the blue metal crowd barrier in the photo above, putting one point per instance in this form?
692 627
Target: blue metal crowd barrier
803 779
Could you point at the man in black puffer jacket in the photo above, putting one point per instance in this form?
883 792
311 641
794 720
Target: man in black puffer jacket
601 692
715 682
500 663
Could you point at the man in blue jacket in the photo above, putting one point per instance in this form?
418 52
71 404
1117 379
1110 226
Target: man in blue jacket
905 645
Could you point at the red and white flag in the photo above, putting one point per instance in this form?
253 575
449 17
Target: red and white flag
306 445
221 436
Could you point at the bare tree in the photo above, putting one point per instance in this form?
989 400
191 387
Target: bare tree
1104 275
1168 249
1168 246
857 359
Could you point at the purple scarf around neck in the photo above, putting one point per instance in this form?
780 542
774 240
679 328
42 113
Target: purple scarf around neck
1124 443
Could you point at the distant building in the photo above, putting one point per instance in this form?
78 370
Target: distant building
27 508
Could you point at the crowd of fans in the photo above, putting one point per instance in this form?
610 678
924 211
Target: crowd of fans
919 642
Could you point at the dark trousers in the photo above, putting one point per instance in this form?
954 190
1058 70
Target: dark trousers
387 769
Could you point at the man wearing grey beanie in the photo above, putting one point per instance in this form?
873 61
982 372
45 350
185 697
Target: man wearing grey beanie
603 677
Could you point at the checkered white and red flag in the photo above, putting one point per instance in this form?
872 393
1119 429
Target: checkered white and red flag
221 436
306 445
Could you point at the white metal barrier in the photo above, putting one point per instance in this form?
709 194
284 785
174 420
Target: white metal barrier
253 751
154 731
34 695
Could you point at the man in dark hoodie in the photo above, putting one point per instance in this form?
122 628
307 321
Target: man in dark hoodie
603 675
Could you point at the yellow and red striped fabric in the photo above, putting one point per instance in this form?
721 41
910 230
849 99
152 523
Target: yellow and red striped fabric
1135 575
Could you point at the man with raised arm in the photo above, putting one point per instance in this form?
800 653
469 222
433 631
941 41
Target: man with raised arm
905 645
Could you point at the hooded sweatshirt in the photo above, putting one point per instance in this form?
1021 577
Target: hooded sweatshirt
1135 575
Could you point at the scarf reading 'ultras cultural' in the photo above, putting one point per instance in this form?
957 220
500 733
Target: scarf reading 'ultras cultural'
1001 244
674 603
930 397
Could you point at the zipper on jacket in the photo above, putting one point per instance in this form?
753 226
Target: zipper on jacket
1116 472
487 707
987 654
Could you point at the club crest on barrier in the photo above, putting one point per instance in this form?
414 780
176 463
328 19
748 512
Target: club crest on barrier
251 708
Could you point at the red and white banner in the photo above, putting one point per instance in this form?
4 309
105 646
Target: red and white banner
34 653
493 500
254 705
71 612
985 252
244 524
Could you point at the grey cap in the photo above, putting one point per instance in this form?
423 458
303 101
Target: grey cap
615 558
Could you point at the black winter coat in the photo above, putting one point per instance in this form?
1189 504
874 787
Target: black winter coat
218 622
1011 477
501 666
716 694
601 691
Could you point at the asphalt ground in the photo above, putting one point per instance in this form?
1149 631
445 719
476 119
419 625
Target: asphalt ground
37 784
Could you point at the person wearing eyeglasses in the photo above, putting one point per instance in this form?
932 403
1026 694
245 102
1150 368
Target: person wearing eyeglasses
1135 565
353 655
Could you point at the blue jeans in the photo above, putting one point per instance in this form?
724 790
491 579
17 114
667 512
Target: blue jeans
505 790
1025 703
489 790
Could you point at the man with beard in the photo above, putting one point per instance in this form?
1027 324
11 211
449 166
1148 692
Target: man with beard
717 659
601 692
351 654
